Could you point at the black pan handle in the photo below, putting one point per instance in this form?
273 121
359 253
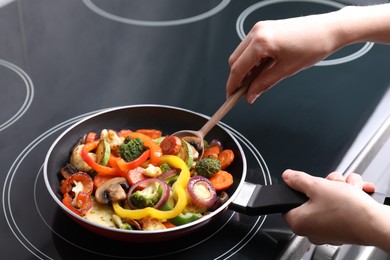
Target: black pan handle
255 199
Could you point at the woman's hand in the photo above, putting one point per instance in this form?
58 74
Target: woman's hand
298 43
353 179
338 210
289 43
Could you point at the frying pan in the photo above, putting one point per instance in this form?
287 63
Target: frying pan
244 197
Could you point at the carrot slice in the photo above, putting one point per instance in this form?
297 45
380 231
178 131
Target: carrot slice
99 179
152 133
170 145
226 157
168 224
135 175
91 137
221 180
212 151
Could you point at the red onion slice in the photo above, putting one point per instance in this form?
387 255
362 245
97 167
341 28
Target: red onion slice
216 142
146 182
201 191
168 174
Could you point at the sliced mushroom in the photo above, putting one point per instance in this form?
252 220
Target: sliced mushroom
112 191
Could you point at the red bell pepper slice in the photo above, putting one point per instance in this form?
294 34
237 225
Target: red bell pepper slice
94 165
82 202
155 149
126 166
82 177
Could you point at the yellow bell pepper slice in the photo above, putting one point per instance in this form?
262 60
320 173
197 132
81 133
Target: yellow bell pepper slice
178 189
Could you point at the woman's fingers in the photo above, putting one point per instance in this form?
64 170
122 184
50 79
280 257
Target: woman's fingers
353 179
368 187
335 176
298 180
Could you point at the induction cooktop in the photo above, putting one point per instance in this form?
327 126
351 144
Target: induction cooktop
61 61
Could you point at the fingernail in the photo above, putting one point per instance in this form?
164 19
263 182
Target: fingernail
252 98
286 174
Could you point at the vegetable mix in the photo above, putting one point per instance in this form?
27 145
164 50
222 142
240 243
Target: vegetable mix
142 180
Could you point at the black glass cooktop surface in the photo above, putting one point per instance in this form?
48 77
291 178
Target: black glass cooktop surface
63 60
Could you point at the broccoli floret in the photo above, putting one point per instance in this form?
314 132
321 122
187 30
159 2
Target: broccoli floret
206 144
165 167
147 197
207 167
120 224
131 149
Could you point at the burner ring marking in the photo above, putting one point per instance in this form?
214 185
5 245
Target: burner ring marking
121 19
38 253
29 93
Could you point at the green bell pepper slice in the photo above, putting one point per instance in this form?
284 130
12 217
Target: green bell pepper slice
185 218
